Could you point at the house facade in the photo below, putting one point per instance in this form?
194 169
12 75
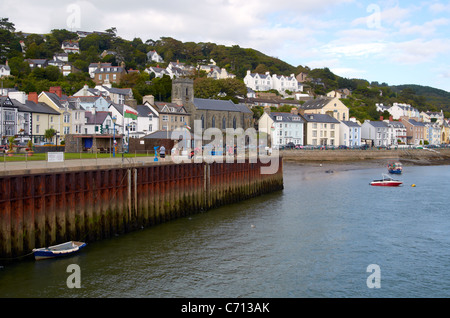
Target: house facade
109 74
5 70
265 82
397 133
70 47
432 133
376 133
153 56
59 102
399 110
350 134
321 130
329 106
415 131
283 128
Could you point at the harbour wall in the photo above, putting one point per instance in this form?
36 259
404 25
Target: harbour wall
413 156
47 207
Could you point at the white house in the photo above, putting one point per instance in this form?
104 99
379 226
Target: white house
158 72
5 70
350 133
265 82
98 123
283 128
403 110
397 132
376 132
154 57
70 47
147 121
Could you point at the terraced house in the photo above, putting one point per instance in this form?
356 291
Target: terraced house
68 111
326 106
321 130
283 128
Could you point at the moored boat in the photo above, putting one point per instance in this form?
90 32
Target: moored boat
386 181
59 250
395 167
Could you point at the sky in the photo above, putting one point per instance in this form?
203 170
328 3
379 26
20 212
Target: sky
396 42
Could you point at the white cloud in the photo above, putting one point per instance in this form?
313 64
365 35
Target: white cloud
418 51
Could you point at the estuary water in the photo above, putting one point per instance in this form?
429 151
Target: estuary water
319 237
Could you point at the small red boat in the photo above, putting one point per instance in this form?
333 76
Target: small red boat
386 181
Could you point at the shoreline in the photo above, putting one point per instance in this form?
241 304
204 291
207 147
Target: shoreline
414 157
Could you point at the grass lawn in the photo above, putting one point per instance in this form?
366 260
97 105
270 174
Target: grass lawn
68 156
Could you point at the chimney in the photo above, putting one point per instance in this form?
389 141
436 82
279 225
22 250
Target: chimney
381 118
149 98
56 90
391 119
33 97
267 110
294 111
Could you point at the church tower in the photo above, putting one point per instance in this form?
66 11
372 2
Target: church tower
183 92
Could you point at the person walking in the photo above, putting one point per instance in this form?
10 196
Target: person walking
162 153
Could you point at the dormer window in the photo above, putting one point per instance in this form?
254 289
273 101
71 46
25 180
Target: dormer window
279 118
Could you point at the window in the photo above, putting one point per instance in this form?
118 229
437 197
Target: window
224 125
213 122
66 118
51 119
150 127
234 122
37 129
37 117
66 130
203 122
165 118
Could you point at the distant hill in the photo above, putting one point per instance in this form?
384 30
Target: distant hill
434 96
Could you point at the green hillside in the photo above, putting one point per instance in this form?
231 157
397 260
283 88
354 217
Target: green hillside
234 59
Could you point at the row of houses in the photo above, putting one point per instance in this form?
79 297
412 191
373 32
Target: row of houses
93 113
325 122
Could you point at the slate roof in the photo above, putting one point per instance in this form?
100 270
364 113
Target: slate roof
377 123
220 105
177 108
350 123
320 118
316 103
286 117
32 107
145 111
416 123
95 119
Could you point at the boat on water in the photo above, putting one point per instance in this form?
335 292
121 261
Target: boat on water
395 167
59 250
386 181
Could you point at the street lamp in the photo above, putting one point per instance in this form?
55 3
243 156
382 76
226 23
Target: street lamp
114 119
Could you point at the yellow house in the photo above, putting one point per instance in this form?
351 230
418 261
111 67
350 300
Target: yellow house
445 133
60 103
43 117
326 106
321 129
